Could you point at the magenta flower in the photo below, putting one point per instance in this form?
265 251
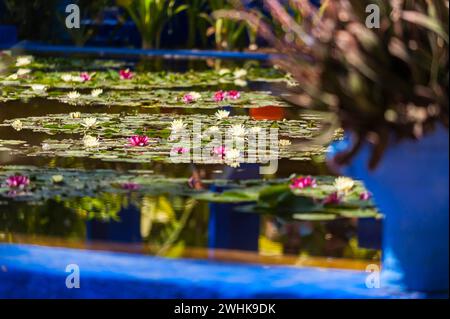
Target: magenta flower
125 74
180 150
219 96
219 151
130 186
138 140
302 182
17 181
85 76
188 98
365 195
332 199
233 94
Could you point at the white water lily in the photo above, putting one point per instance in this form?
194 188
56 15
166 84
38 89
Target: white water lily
222 114
75 115
40 88
21 72
239 73
66 77
238 130
73 95
96 92
240 82
89 122
77 79
57 179
23 60
13 76
17 125
177 126
90 141
343 184
284 142
224 71
232 154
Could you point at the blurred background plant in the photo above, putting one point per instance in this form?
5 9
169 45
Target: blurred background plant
150 17
384 84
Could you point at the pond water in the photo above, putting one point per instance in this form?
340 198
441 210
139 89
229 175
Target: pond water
117 197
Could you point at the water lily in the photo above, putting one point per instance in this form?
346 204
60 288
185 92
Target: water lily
219 151
191 97
239 73
23 60
177 126
139 140
343 184
284 142
303 182
131 186
125 74
89 122
238 130
84 76
17 125
224 71
57 179
180 150
12 76
222 114
332 199
233 94
40 88
74 115
66 77
240 82
219 96
22 72
365 195
17 181
90 141
232 154
73 95
96 92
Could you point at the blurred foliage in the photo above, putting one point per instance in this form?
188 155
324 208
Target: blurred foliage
384 82
150 17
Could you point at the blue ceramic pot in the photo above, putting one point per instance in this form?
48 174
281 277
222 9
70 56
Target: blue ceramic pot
410 187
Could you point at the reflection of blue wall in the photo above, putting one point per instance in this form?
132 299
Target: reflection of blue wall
228 228
126 230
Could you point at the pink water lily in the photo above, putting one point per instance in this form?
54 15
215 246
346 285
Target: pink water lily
219 96
365 195
85 76
219 151
125 74
180 150
189 98
332 199
303 182
17 181
139 140
233 94
130 186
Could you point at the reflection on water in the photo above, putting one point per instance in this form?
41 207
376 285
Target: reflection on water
173 226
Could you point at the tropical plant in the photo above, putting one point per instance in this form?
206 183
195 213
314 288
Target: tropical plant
228 33
197 22
150 17
384 83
